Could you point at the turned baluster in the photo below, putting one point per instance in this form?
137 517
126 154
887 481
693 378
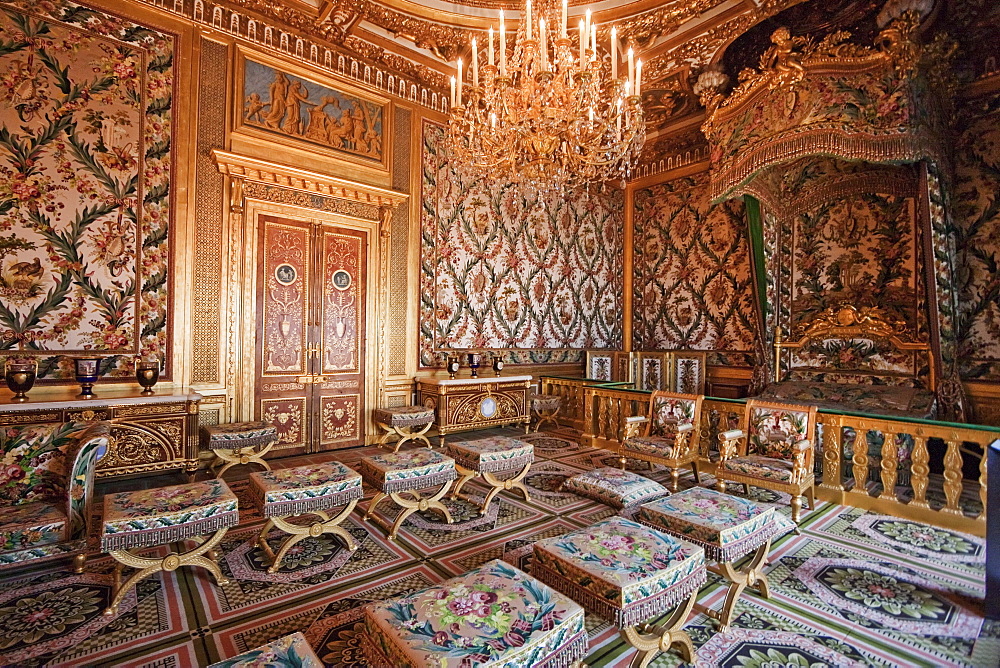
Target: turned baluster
919 471
860 460
602 417
617 421
833 453
952 476
890 462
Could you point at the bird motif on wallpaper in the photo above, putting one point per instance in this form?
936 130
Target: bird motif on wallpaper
27 269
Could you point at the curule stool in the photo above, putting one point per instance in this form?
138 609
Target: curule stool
313 489
545 408
492 616
239 443
402 420
628 574
729 528
400 476
154 517
488 456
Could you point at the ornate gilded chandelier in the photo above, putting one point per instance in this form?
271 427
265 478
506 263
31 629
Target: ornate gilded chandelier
551 114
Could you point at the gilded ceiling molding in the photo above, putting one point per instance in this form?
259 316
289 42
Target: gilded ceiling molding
325 44
241 168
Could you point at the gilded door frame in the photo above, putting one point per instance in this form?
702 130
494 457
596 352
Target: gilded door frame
375 293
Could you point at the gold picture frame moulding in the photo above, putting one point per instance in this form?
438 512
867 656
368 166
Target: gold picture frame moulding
315 89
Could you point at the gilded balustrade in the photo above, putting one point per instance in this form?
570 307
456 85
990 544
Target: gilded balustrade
572 412
847 473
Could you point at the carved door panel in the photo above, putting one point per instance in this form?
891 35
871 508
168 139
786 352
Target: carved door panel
339 407
311 334
284 352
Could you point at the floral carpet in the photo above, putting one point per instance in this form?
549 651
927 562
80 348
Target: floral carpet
852 589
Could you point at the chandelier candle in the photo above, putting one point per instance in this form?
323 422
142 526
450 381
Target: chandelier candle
546 120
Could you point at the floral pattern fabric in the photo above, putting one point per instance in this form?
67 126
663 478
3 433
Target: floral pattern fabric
492 616
409 469
773 432
620 569
291 651
894 400
656 446
37 460
614 487
29 525
668 413
303 489
756 466
167 514
490 455
238 435
727 526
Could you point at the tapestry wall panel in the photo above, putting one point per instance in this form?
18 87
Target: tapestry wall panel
539 278
977 217
85 141
692 271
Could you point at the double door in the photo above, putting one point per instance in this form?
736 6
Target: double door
310 343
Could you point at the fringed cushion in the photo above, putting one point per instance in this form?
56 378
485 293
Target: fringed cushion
238 435
167 514
303 489
492 616
410 469
491 455
651 445
614 487
291 651
756 466
621 570
405 416
727 526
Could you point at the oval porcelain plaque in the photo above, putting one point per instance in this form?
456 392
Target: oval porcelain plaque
488 407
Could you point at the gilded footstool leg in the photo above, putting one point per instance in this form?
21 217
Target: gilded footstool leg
79 561
515 482
750 575
171 562
371 506
299 532
415 503
650 640
465 476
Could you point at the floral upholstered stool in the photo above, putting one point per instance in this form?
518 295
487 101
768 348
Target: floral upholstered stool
621 489
291 651
492 616
152 517
402 420
627 574
401 475
239 443
488 456
729 528
314 489
545 407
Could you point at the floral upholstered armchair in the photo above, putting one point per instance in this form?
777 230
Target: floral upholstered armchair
671 433
46 481
776 452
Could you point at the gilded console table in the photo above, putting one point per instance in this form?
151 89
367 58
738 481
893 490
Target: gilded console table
462 404
156 433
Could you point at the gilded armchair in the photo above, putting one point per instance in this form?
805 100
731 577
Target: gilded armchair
670 436
46 483
774 450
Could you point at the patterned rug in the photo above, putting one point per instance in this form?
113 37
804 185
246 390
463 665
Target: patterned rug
852 589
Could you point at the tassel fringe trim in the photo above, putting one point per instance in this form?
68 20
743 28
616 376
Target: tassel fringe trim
166 535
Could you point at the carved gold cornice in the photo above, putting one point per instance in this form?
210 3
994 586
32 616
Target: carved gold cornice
243 168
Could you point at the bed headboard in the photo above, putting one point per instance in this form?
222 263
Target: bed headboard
846 323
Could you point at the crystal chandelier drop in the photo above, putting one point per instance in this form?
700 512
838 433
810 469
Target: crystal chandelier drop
551 114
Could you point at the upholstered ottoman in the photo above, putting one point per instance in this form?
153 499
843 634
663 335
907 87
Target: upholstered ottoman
614 487
492 616
402 420
314 489
152 517
291 651
400 475
545 407
628 574
728 528
487 456
239 443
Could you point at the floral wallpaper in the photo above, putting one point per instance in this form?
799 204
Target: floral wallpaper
85 137
692 270
539 278
977 218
